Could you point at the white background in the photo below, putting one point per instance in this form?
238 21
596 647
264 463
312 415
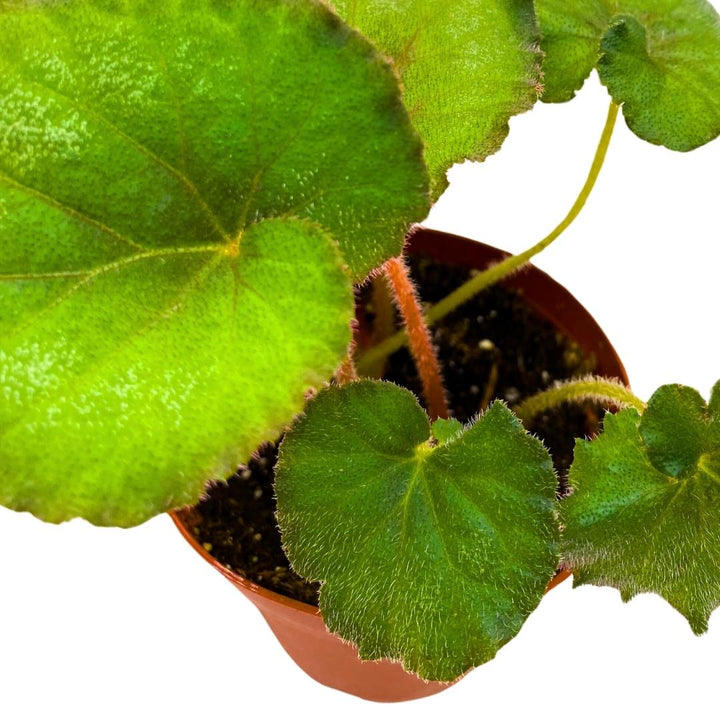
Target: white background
106 623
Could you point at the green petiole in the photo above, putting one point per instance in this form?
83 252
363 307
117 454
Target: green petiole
494 274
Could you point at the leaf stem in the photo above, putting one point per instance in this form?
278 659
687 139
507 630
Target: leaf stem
384 322
602 390
508 266
420 341
346 373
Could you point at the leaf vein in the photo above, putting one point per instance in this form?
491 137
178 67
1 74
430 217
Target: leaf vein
68 210
89 275
163 313
144 150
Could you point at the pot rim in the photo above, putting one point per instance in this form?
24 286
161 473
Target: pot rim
179 516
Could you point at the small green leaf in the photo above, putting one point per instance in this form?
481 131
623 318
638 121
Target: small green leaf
659 59
665 71
445 431
433 556
466 66
675 431
645 512
161 312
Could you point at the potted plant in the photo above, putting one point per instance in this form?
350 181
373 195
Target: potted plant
189 192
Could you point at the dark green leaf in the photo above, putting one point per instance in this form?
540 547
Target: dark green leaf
467 67
161 313
645 512
182 120
660 59
674 429
433 556
714 404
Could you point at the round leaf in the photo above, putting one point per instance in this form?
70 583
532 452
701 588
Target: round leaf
176 122
466 66
645 512
665 71
430 555
127 388
674 428
161 313
660 59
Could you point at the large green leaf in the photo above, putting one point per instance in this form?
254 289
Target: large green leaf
180 120
127 387
660 59
645 512
433 555
161 312
467 66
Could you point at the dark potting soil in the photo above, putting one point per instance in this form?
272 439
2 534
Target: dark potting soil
494 346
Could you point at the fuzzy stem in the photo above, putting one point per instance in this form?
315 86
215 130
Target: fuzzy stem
511 264
384 323
588 388
490 386
420 341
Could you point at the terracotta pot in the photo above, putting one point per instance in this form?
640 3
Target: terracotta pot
298 626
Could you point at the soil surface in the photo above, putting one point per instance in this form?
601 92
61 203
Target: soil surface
494 346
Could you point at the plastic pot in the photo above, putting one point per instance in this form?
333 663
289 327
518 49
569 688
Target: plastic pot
298 626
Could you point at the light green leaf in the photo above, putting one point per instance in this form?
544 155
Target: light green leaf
645 512
660 59
571 35
161 312
127 388
433 556
665 71
445 431
466 67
